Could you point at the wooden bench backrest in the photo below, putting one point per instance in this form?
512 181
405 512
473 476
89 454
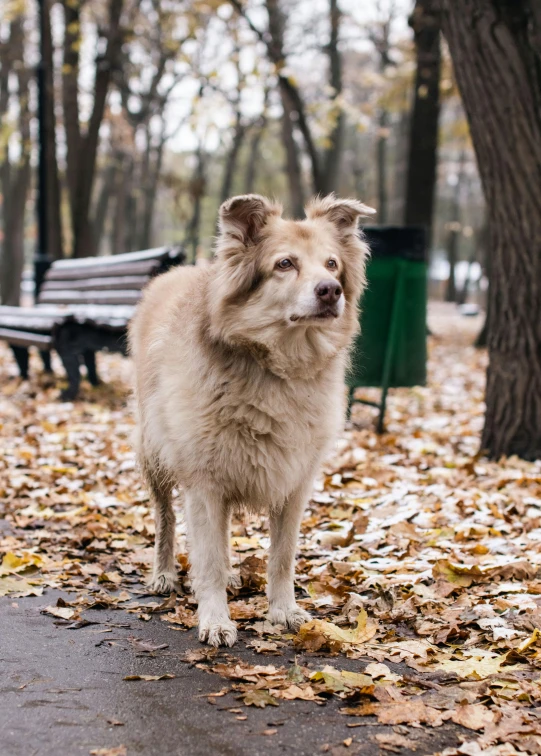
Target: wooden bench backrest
115 280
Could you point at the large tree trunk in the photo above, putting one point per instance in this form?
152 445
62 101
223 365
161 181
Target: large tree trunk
497 58
423 141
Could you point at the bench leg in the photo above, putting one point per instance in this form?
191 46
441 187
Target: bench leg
70 360
46 359
90 362
21 355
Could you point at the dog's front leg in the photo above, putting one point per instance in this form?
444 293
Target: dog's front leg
208 540
284 529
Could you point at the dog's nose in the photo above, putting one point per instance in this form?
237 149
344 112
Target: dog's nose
328 292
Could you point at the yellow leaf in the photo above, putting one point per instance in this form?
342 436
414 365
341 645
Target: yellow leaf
18 587
529 641
11 563
318 633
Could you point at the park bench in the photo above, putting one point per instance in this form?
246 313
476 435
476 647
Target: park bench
83 306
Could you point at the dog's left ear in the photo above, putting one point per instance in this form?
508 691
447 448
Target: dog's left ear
243 217
342 213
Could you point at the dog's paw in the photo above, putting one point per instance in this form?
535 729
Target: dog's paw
165 582
291 617
234 581
216 633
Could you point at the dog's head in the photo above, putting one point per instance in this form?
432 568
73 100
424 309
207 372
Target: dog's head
280 281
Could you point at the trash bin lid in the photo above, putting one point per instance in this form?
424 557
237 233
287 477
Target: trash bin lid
405 242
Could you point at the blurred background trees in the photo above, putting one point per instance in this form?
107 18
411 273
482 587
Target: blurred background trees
159 109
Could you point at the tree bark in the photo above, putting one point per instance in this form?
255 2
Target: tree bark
54 225
381 164
14 175
109 179
453 234
121 230
231 160
423 139
333 153
70 95
496 53
151 191
198 186
82 149
253 156
290 107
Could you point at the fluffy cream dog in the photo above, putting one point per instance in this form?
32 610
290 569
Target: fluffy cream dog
240 389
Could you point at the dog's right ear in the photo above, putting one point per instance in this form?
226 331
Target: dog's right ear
243 217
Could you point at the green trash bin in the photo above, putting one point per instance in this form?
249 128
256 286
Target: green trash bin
390 350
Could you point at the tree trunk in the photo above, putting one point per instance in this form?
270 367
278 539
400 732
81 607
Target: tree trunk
53 198
12 260
452 257
150 194
333 154
232 157
293 166
14 176
197 191
290 106
495 49
423 141
82 149
453 235
120 237
109 179
253 156
381 165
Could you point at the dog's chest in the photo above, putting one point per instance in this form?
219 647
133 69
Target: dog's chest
265 440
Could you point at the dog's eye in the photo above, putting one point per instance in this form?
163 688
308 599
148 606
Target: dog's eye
284 264
332 264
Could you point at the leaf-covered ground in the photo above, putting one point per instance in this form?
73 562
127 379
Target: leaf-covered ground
413 550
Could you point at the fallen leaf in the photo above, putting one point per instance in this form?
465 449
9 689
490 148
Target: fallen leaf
259 698
318 633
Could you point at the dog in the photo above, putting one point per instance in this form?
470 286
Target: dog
239 372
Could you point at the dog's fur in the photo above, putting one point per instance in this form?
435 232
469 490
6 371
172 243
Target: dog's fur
240 389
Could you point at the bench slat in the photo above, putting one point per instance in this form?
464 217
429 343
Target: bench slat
158 253
98 270
103 283
25 338
68 297
44 324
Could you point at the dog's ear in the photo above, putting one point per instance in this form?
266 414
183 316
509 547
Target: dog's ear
243 217
342 213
